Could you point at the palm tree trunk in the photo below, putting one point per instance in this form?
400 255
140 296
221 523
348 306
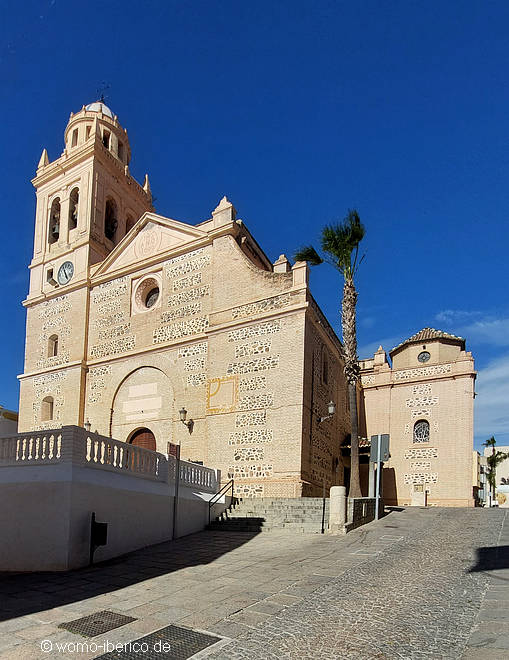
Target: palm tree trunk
355 485
349 327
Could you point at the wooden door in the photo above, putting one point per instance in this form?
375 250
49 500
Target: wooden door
144 438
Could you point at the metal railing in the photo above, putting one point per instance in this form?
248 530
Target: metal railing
215 498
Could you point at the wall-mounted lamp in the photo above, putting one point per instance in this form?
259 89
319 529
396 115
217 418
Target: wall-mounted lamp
88 426
183 418
331 409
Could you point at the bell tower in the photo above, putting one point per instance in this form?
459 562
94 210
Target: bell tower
86 203
86 200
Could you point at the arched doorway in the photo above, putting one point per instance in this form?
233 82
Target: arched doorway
143 438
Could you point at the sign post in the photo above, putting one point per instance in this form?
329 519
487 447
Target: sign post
379 454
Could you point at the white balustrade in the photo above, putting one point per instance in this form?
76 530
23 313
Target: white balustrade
29 448
75 444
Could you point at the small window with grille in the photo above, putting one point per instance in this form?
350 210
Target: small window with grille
421 431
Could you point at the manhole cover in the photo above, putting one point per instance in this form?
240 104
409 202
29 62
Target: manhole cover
96 624
171 642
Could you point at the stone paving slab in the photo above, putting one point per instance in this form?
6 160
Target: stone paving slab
401 587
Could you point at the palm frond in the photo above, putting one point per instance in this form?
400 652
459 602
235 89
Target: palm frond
309 254
341 242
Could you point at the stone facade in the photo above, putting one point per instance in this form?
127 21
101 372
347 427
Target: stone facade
425 403
157 315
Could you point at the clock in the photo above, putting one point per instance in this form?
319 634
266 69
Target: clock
424 356
65 272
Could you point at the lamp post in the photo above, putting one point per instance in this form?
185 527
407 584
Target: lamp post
331 409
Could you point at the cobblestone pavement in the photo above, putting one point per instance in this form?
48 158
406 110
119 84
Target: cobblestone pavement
420 583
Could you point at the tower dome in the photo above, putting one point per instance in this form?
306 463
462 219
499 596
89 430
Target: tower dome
99 106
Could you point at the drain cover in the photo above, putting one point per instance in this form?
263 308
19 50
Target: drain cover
96 624
172 642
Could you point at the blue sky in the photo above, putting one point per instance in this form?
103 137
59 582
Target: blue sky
296 111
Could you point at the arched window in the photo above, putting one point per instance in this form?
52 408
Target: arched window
73 208
54 222
129 223
47 409
110 219
53 346
421 431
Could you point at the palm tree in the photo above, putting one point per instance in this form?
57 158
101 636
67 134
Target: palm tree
493 460
340 245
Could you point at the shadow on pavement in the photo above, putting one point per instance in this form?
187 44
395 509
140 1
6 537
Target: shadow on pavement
491 559
27 593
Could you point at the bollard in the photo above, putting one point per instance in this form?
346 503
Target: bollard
337 510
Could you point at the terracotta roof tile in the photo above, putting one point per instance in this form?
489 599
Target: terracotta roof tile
427 334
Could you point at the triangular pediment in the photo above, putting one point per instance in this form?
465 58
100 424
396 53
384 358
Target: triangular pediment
151 236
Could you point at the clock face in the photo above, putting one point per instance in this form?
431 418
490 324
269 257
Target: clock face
424 356
65 272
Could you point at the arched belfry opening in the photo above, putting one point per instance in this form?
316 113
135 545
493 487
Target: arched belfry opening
143 438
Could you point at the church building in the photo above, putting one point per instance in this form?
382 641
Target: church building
157 332
137 323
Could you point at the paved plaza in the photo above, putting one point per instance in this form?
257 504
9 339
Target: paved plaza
420 583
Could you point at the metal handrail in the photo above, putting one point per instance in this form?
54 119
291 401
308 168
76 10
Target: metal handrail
213 500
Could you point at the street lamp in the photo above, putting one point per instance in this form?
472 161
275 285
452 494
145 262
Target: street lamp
331 409
183 418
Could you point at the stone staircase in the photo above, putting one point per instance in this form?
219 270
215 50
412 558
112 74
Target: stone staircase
266 514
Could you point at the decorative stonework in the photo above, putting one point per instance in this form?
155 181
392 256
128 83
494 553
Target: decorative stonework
255 383
258 418
277 302
423 412
421 453
421 465
194 365
107 291
194 380
421 478
260 364
254 348
181 312
120 345
368 380
148 241
248 454
112 333
109 308
258 330
256 401
54 307
45 385
423 372
97 380
62 358
199 348
186 267
180 329
248 490
424 389
252 436
418 402
249 471
108 321
187 282
188 296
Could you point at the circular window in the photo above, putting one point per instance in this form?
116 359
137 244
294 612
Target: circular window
147 294
151 297
424 356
